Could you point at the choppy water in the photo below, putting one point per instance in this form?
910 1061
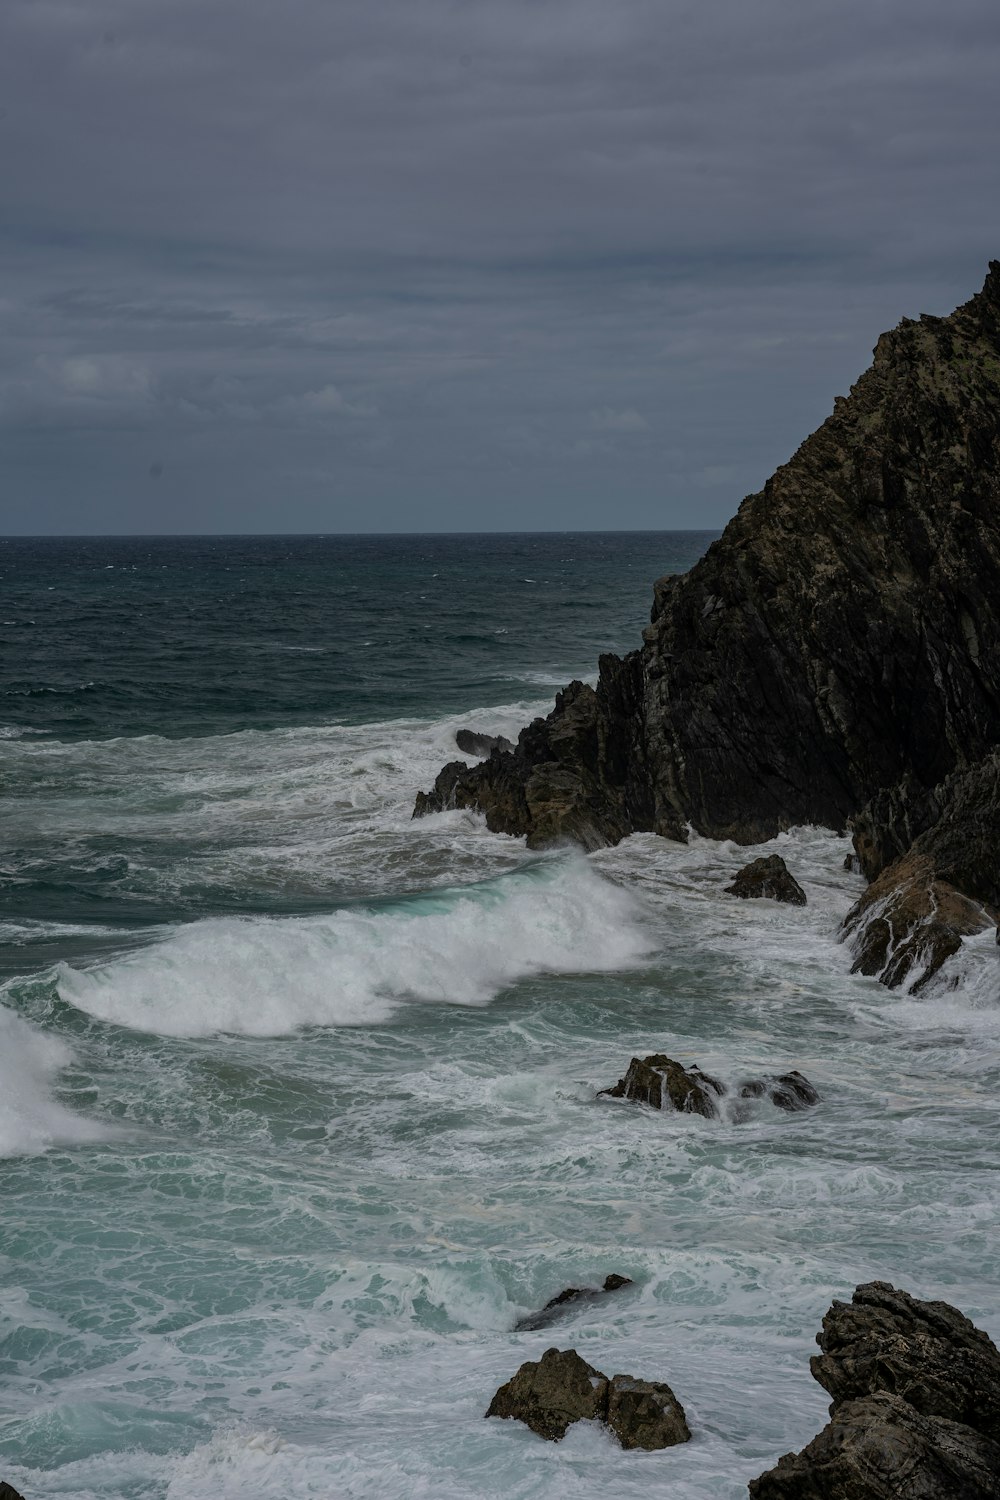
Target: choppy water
297 1096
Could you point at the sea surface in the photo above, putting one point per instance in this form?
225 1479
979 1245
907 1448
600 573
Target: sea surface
298 1097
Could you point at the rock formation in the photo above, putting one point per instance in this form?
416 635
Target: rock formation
8 1492
916 1407
836 641
770 877
550 1394
566 1300
664 1083
472 742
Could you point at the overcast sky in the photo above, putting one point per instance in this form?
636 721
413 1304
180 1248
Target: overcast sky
396 265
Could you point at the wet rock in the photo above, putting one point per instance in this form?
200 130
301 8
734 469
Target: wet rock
551 1393
471 742
791 1091
770 877
565 1300
645 1413
836 640
909 922
8 1492
663 1083
915 1412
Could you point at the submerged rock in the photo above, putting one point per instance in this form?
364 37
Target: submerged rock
565 1300
550 1394
770 877
836 640
665 1084
916 1407
471 742
909 922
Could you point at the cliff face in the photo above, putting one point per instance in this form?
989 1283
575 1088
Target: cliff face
838 638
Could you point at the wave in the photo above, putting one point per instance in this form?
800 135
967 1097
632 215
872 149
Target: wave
270 976
31 1118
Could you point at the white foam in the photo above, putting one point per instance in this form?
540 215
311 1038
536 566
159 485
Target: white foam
31 1118
267 977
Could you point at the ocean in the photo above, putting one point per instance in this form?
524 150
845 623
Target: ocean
298 1097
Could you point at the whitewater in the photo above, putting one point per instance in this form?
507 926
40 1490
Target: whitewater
299 1101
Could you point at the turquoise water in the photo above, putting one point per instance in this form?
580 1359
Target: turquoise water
298 1110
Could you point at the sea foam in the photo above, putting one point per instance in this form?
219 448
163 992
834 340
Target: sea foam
267 976
31 1118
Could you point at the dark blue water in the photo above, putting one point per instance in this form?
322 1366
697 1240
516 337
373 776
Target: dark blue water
101 637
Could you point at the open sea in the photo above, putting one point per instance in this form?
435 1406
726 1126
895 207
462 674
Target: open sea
298 1107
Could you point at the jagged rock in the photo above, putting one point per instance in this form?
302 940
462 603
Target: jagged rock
835 640
881 1449
916 1407
551 1393
8 1492
791 1091
909 922
645 1413
926 1352
665 1084
573 1294
768 876
471 742
561 1388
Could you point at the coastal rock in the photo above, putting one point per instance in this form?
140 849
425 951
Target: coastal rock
915 1412
663 1083
552 1393
565 1300
834 642
909 922
471 742
791 1091
645 1413
768 876
8 1492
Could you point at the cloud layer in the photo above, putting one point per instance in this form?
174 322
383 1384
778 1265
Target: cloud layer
448 264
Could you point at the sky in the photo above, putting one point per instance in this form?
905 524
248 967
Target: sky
464 265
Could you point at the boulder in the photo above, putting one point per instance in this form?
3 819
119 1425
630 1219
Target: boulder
660 1081
768 876
564 1300
915 1412
472 742
551 1393
909 922
791 1091
561 1388
645 1413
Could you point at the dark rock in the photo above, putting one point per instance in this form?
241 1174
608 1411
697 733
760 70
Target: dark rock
8 1492
645 1413
572 1295
561 1388
791 1091
909 922
881 1449
551 1393
926 1352
665 1084
916 1407
835 641
471 742
768 876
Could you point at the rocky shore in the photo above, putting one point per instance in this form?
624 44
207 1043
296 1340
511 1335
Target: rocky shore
831 660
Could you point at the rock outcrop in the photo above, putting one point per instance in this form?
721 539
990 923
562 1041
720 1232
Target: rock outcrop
8 1492
664 1083
916 1407
768 876
568 1300
834 642
472 742
552 1393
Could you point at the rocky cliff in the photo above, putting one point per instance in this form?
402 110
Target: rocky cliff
836 641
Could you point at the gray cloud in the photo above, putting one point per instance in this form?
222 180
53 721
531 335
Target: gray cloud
447 263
